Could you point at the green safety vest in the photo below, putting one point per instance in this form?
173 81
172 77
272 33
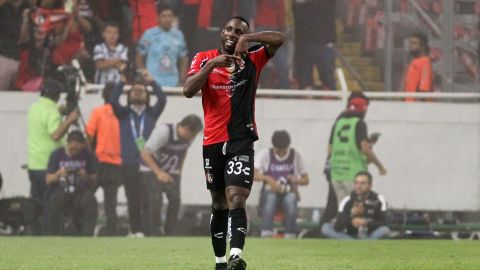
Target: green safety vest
346 160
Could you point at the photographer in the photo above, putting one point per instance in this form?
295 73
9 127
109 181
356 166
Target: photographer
361 215
282 170
71 176
45 132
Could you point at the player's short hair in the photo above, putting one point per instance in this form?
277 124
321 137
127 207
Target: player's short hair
281 139
367 174
76 136
241 18
192 122
423 38
110 24
161 7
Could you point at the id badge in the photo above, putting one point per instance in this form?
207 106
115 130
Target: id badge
140 142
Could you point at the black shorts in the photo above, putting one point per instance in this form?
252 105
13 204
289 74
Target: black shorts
229 164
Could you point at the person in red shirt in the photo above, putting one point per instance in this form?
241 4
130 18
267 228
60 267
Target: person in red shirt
144 17
103 131
228 79
419 72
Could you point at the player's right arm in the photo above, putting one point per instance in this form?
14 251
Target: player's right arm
198 75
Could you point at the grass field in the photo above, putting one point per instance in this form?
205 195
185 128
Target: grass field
195 253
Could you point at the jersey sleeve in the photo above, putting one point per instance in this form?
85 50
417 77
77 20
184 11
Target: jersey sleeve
300 166
361 133
259 55
144 44
158 139
262 160
98 53
197 63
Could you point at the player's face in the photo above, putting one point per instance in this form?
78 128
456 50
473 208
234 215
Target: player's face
165 19
232 31
362 185
110 35
185 134
74 148
138 95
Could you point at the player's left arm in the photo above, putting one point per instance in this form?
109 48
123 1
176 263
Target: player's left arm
272 40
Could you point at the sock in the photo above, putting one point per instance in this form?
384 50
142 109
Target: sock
221 259
237 227
218 232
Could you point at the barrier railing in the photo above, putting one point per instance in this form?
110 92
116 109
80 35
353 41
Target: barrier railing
337 94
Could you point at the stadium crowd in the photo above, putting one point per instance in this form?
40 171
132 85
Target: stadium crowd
114 39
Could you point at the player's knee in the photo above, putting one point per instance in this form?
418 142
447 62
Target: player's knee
220 205
237 200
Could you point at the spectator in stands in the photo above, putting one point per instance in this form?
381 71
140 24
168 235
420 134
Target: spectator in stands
315 33
162 51
349 148
45 132
164 154
202 20
137 121
271 16
103 131
50 36
361 215
11 13
282 170
110 57
144 17
419 76
71 176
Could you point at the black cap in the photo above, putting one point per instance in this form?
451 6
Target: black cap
51 89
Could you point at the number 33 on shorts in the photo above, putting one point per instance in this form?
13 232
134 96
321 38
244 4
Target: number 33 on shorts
239 165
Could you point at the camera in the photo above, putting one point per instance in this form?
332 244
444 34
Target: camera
71 181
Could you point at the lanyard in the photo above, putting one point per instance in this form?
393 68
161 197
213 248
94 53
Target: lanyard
138 134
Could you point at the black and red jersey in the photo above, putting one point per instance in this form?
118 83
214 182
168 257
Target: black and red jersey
228 96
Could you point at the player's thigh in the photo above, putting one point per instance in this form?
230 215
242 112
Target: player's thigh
214 166
239 170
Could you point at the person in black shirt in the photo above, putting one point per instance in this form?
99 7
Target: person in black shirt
362 215
71 174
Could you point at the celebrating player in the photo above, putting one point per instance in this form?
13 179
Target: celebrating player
228 79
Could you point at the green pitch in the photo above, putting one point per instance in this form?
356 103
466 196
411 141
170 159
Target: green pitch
195 253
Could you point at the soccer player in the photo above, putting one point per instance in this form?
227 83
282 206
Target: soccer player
228 79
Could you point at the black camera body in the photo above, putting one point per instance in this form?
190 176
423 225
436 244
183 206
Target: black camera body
69 76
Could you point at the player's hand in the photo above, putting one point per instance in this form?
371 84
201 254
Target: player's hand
224 60
164 177
358 222
241 49
60 173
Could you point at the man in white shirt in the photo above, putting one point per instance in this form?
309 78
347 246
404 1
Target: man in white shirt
282 170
